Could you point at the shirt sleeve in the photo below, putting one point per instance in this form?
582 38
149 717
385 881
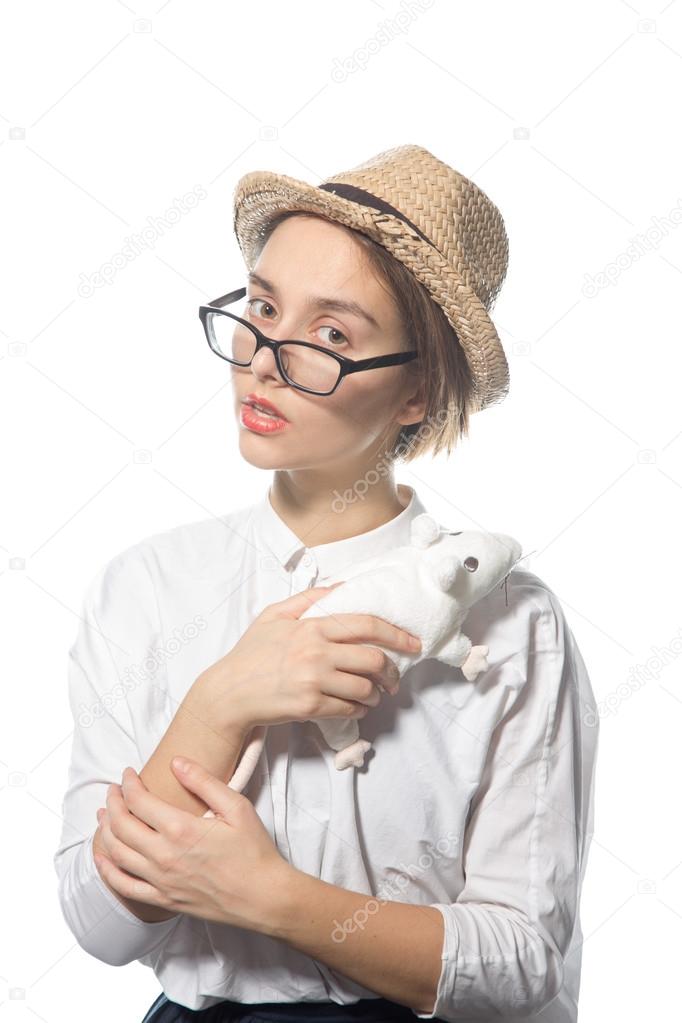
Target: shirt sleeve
527 835
116 628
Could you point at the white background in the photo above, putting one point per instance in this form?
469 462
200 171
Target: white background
117 420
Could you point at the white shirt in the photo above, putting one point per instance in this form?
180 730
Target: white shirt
477 798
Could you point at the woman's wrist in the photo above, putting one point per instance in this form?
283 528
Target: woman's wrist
214 700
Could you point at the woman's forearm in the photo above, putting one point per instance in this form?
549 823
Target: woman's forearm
392 948
195 732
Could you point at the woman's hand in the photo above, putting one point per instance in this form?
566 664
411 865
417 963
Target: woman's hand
224 868
284 669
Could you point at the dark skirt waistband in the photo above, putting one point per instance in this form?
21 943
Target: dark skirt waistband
371 1010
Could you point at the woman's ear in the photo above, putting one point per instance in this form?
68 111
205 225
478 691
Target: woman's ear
413 408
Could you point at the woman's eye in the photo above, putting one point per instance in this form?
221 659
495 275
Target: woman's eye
334 340
252 301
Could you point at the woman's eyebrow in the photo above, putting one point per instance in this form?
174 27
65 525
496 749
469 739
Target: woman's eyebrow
340 305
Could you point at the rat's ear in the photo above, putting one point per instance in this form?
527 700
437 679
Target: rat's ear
447 570
424 531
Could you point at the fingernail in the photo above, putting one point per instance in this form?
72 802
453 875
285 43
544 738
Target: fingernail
181 764
415 643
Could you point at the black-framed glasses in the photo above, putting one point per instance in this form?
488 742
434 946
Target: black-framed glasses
306 366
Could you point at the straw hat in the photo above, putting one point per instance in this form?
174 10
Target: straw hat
438 223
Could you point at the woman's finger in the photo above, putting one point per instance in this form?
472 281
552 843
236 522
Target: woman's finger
147 807
346 627
130 887
127 841
365 661
294 605
342 685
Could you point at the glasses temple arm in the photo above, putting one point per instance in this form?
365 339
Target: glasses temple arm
231 296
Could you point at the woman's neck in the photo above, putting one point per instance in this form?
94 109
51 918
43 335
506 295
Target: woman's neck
320 516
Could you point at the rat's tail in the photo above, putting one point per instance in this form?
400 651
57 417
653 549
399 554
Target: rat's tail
250 758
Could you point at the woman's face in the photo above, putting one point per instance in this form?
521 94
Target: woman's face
308 258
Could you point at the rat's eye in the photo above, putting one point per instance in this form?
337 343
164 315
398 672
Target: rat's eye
455 534
471 564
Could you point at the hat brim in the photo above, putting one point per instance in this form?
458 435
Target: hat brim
261 195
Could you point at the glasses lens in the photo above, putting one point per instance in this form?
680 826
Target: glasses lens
230 338
309 368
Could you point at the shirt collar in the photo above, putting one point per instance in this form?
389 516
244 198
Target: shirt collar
329 558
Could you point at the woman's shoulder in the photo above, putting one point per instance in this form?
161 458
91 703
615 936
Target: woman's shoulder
522 593
519 619
186 548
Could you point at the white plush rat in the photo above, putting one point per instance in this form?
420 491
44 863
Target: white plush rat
425 587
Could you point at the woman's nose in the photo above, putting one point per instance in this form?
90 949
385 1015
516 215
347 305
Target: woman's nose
264 365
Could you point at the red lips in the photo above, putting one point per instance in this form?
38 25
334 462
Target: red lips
258 399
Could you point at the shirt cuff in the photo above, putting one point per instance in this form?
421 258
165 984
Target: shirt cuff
491 966
99 921
446 981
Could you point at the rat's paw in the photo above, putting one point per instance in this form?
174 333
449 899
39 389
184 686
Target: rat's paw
353 755
475 663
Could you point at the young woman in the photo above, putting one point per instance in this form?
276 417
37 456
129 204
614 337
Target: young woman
442 879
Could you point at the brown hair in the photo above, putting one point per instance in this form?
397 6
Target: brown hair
441 366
